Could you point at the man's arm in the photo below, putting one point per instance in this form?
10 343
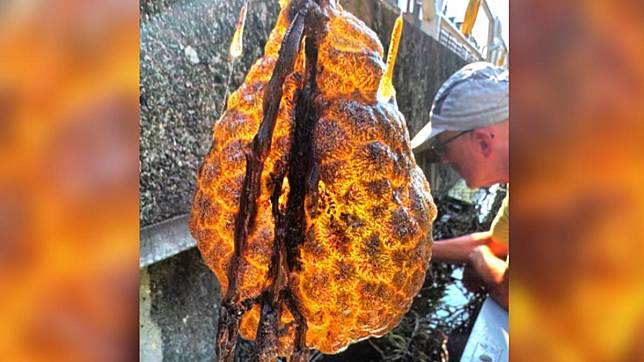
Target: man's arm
458 250
494 273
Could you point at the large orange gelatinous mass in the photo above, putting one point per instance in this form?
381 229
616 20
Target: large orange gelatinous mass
368 242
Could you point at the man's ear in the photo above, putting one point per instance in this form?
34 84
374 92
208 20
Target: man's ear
483 139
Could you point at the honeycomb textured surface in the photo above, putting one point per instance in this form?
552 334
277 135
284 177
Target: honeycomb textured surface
368 225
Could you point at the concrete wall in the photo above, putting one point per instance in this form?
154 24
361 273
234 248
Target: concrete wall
184 47
184 69
178 310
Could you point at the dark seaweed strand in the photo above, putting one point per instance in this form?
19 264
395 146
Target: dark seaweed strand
267 335
300 352
289 232
301 160
301 170
232 309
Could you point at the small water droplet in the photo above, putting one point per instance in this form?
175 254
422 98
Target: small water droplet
191 54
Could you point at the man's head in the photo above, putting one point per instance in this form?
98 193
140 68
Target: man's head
480 156
469 124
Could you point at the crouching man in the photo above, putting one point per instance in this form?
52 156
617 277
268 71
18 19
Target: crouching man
469 130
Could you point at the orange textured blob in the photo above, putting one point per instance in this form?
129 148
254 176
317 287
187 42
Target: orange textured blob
367 232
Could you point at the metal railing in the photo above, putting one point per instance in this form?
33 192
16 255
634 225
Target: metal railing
454 40
429 16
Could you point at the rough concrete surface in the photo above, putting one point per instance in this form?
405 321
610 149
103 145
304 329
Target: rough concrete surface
150 344
184 70
179 310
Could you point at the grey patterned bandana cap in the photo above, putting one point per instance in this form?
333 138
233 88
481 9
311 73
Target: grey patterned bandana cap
475 96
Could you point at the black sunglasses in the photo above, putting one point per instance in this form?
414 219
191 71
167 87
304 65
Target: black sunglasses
438 150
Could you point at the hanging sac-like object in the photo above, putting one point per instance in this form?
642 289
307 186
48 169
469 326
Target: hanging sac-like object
321 226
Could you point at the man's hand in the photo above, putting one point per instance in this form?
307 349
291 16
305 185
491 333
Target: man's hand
491 271
487 265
